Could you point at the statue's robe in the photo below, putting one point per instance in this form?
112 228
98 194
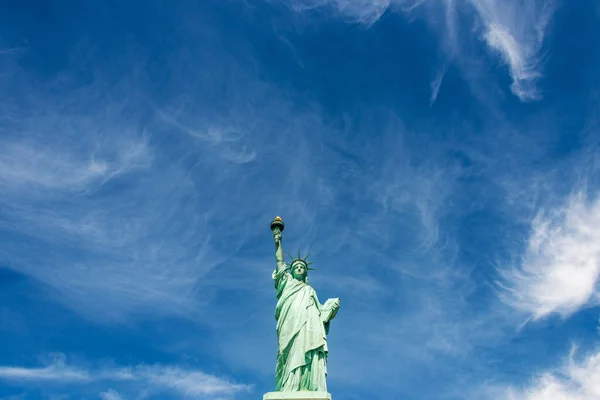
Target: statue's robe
302 326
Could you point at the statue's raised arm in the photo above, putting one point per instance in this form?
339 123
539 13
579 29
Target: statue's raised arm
277 227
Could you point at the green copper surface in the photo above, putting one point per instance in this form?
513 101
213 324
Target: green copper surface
297 396
302 325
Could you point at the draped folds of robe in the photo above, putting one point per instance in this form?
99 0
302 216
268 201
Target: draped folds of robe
302 354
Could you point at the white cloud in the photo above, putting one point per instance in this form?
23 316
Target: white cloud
31 165
436 83
159 378
54 194
575 380
560 269
223 139
12 51
57 371
362 11
514 29
111 395
78 176
186 381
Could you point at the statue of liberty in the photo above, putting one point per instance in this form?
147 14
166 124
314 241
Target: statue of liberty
302 324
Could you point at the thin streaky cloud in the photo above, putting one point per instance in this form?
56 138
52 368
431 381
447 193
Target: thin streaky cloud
513 29
436 83
361 11
43 374
517 32
57 371
184 381
12 51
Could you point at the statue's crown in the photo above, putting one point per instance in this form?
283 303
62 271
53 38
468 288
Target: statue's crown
301 259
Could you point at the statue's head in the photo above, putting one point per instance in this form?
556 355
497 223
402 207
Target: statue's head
299 268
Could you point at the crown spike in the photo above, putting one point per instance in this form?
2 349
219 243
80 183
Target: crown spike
304 260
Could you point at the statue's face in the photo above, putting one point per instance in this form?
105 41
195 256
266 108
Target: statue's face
299 271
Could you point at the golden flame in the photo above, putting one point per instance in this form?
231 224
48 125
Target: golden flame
278 219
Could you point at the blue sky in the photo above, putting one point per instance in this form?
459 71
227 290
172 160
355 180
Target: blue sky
439 159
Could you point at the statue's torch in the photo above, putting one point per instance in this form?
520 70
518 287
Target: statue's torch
277 225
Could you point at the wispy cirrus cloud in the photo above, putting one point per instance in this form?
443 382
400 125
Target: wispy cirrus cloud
517 31
77 175
60 374
361 11
38 167
514 30
436 83
560 269
58 192
12 51
57 371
